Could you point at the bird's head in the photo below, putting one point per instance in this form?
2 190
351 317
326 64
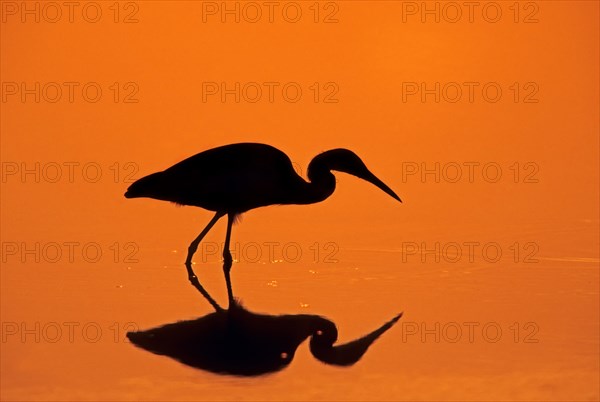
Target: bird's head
322 343
344 160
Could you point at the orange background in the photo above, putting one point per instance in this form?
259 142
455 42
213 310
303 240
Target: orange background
368 54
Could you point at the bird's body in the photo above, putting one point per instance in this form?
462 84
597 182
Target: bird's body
232 179
236 178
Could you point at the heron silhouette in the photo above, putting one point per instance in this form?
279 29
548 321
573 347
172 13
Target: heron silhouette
240 342
236 178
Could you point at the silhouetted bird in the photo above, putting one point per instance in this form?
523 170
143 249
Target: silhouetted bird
235 178
240 342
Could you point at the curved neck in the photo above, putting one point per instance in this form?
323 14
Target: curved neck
321 183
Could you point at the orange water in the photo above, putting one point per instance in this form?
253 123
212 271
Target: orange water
360 257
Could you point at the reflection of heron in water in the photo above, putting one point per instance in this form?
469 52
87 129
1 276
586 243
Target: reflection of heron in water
239 342
235 178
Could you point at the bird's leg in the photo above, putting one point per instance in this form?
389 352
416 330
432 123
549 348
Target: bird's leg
194 244
227 260
188 262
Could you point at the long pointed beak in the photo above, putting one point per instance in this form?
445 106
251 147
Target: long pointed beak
371 178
